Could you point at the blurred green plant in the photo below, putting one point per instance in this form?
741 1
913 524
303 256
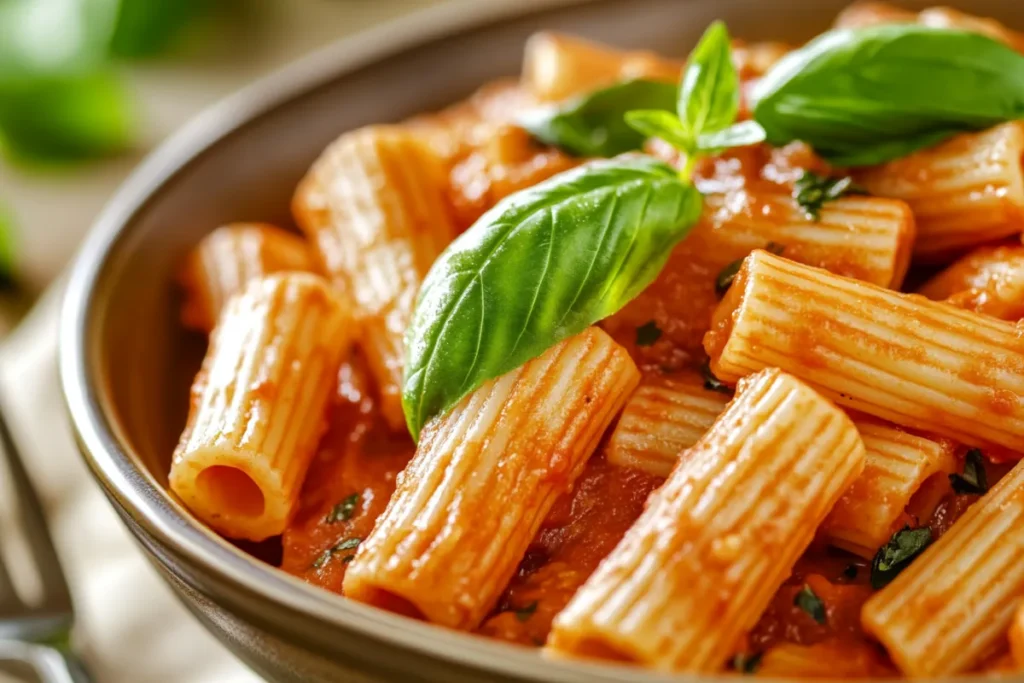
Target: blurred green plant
62 97
7 237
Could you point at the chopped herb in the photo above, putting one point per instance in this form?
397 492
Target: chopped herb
851 571
347 544
973 480
711 382
647 334
344 510
811 191
726 276
525 613
747 663
809 602
896 555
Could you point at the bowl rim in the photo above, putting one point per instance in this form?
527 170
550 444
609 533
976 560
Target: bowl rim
109 456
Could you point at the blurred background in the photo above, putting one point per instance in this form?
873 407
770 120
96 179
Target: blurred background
87 89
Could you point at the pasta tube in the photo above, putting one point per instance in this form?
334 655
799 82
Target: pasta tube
661 420
373 205
898 464
964 192
828 659
716 541
870 13
513 445
557 66
259 405
227 259
918 363
948 608
989 280
1016 637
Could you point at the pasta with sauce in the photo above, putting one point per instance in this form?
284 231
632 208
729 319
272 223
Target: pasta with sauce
665 362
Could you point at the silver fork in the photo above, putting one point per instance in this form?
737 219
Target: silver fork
34 634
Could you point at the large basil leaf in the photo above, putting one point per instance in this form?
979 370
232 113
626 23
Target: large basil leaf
593 125
865 96
541 266
709 96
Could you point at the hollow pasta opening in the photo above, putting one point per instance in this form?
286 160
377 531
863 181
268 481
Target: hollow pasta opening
392 603
231 490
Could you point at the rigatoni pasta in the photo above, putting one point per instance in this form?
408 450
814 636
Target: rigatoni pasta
260 404
706 556
373 206
988 280
514 445
897 466
918 363
947 609
664 417
230 257
964 192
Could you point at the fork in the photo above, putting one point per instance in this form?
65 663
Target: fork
34 636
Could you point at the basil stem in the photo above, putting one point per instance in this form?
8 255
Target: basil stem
865 96
541 266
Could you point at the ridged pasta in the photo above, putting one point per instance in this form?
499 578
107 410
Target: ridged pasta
1016 638
863 14
868 238
897 465
374 208
918 363
664 417
259 404
988 280
963 192
716 541
484 477
947 609
557 66
227 259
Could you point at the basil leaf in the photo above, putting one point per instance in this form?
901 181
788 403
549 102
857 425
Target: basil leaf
868 95
594 124
725 276
346 544
525 613
896 555
973 480
809 602
343 511
541 266
7 246
653 123
812 191
709 95
648 333
737 135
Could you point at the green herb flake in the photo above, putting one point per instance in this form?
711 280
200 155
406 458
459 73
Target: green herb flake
897 554
974 480
725 277
647 334
747 663
812 191
523 614
346 544
809 602
711 382
343 511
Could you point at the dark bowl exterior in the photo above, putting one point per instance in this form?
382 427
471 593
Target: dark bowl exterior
126 363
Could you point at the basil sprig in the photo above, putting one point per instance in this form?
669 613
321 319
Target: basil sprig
709 100
896 555
541 266
869 95
592 125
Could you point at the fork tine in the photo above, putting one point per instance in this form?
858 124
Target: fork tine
56 596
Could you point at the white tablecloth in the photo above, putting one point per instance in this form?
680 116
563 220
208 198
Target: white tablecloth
131 629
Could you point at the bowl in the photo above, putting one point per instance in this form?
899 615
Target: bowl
126 363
